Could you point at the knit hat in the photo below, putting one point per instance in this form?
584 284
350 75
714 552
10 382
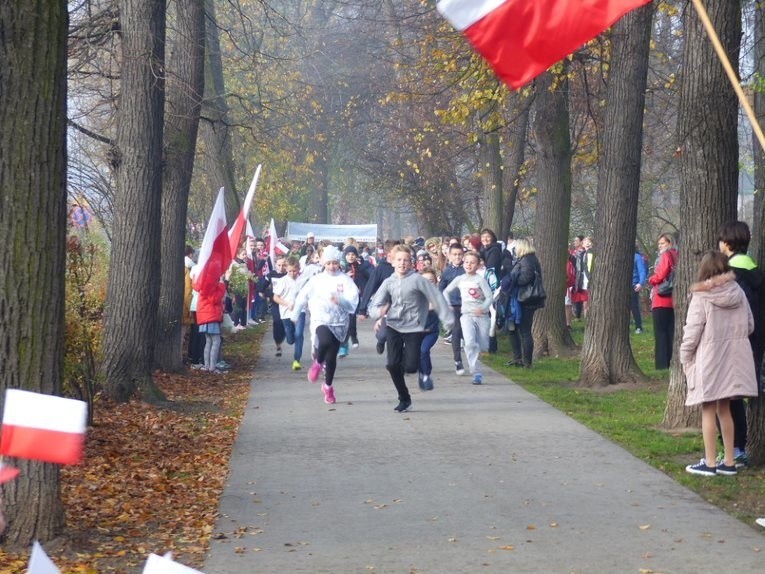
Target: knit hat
351 249
330 253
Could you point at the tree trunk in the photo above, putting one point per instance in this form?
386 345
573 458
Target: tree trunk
606 353
131 302
185 84
516 157
32 239
215 127
553 207
755 444
491 180
320 193
708 147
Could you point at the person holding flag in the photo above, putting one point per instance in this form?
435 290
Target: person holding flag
214 261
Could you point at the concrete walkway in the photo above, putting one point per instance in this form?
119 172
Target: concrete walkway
474 479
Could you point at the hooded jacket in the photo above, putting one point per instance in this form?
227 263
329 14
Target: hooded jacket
751 279
409 297
715 353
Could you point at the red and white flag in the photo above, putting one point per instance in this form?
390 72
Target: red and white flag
43 427
235 233
273 245
520 39
215 253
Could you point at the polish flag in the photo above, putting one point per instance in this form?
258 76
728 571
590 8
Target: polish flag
215 253
235 233
520 39
43 427
273 245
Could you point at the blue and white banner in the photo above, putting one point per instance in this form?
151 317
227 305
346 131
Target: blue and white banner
335 233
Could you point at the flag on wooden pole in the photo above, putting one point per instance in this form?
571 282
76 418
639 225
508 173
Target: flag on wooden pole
520 39
43 427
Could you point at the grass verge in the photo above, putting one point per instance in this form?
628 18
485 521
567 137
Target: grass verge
630 416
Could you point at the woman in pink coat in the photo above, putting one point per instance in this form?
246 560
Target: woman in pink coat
716 357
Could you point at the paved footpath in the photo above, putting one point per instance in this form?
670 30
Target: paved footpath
473 479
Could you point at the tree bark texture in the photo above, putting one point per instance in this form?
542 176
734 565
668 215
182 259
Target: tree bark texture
491 179
553 207
32 239
215 127
183 100
131 302
708 145
516 158
756 412
606 353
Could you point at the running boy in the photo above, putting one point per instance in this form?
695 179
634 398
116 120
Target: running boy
285 291
403 300
456 254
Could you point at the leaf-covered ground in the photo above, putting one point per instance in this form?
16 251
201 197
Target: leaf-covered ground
152 475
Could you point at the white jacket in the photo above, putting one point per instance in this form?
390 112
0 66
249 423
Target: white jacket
330 299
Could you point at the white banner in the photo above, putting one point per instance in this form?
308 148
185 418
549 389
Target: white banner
335 233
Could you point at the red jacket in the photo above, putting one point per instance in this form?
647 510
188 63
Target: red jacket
210 306
667 261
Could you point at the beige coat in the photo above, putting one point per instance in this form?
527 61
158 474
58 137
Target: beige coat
715 352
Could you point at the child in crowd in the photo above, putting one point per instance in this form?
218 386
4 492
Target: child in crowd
403 300
429 339
285 291
330 297
477 297
456 254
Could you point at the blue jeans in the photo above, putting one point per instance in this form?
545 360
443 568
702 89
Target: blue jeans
426 367
294 335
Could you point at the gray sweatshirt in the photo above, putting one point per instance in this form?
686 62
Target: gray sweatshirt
408 298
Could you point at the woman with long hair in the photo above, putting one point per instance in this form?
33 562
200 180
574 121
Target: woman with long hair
523 274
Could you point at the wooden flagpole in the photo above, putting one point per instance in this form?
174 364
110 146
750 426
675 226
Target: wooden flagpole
729 71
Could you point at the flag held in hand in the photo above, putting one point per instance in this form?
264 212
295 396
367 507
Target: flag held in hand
215 253
520 39
43 427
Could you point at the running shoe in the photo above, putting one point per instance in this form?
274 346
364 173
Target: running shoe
329 394
296 365
314 372
403 406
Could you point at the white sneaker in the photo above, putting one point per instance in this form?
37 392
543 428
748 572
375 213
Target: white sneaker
760 521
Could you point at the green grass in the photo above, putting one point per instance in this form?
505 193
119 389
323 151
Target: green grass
630 416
